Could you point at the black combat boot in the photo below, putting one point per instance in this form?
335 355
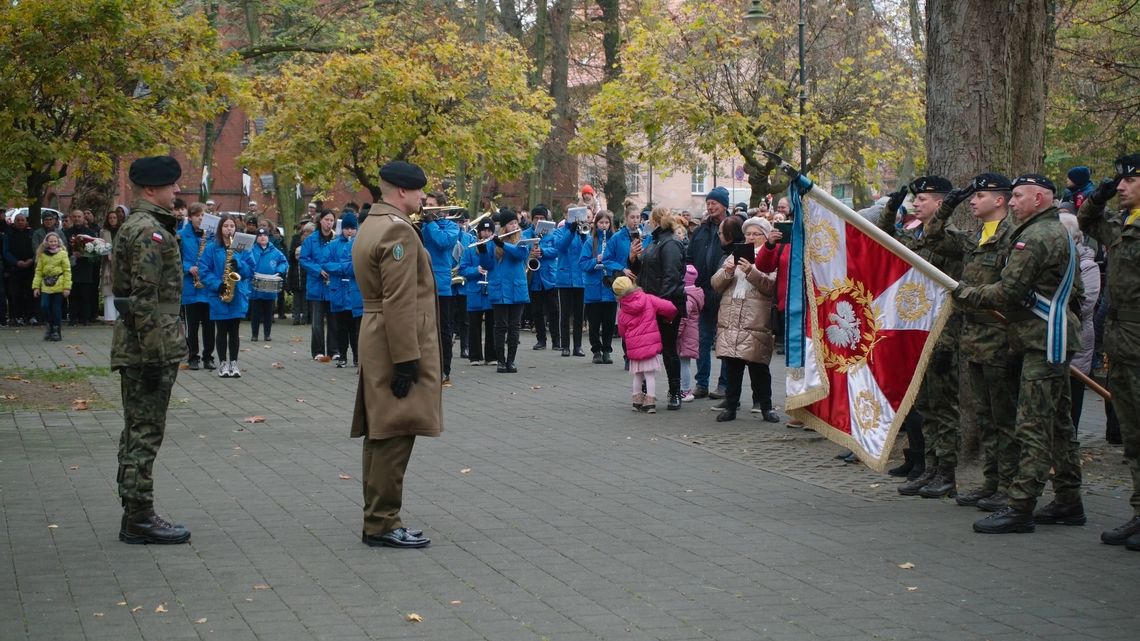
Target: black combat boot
55 335
511 352
1008 520
993 502
597 360
941 485
47 332
911 488
1120 534
1058 513
919 467
728 414
971 498
906 467
144 526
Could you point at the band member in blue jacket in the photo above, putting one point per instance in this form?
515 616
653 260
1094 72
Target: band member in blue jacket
543 290
227 315
195 300
476 266
600 304
507 289
569 280
314 255
459 290
268 260
440 236
344 295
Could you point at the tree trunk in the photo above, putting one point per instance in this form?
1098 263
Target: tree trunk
96 192
555 160
614 187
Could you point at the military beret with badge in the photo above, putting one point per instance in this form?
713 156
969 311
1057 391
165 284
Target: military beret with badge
403 174
991 182
1127 166
1035 180
155 171
930 185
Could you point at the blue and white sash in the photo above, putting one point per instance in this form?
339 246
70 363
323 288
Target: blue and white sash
1053 311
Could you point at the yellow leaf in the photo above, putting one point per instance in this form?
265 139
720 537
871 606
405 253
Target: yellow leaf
413 617
161 609
200 621
906 566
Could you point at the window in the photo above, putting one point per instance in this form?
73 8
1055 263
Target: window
697 184
840 191
633 178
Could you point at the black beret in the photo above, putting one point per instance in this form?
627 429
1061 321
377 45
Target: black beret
155 171
1128 165
540 210
403 174
991 182
263 232
930 185
506 215
1036 180
487 224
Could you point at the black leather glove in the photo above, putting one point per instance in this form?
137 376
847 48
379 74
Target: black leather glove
482 249
895 200
1105 191
407 373
958 196
942 361
498 241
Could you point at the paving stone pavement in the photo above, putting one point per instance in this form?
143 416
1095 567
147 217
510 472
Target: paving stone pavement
555 512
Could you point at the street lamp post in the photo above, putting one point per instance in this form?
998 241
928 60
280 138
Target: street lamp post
757 13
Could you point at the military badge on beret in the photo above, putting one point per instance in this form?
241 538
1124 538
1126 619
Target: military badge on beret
1128 166
991 182
1037 180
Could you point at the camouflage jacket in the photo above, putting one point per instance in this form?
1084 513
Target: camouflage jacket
949 261
148 279
1036 261
983 338
1122 328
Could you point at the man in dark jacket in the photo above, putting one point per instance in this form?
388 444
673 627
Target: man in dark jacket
20 263
84 272
706 254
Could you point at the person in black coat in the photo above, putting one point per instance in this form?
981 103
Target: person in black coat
660 270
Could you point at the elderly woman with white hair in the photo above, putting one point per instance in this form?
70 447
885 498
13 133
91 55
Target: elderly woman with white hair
1090 279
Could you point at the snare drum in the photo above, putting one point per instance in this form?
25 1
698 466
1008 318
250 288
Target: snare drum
268 283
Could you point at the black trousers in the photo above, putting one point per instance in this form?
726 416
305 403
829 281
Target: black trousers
508 320
21 304
84 298
570 306
446 333
226 336
198 316
459 320
758 374
669 355
347 333
300 305
281 304
261 313
480 323
323 334
544 311
600 317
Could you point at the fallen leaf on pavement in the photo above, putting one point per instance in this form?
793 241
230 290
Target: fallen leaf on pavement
300 400
456 602
53 526
911 588
276 365
161 609
261 586
17 378
62 366
875 485
79 404
344 477
97 615
183 400
244 349
465 470
254 419
184 366
324 359
80 352
199 621
9 397
121 603
136 608
413 617
56 386
906 566
267 346
73 467
536 387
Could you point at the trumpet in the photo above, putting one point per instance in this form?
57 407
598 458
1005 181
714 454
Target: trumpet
583 227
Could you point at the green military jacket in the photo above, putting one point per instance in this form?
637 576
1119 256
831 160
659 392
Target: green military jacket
934 252
1036 261
148 277
983 338
1122 241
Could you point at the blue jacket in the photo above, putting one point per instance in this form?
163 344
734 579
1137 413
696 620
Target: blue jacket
440 237
618 249
210 270
314 255
465 239
506 284
189 243
478 298
568 245
267 261
344 293
596 289
543 279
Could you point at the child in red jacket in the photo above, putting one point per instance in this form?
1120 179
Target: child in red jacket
637 324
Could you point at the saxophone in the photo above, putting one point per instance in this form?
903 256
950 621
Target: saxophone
230 278
201 248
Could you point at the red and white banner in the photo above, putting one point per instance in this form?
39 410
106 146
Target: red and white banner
873 319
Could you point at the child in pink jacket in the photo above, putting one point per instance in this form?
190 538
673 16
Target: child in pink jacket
637 324
689 333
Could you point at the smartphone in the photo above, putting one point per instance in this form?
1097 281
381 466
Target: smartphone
786 230
747 251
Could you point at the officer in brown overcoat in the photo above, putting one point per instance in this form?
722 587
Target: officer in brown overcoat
400 393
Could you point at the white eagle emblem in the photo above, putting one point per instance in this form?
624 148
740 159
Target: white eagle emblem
844 330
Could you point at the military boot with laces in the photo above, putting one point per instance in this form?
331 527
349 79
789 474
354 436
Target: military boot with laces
911 488
1058 513
144 526
941 485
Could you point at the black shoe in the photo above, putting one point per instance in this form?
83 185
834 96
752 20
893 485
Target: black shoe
1119 535
1057 513
502 368
606 360
719 406
971 498
208 363
1007 520
512 368
538 346
919 468
195 364
941 485
717 394
674 401
463 353
147 527
993 502
579 352
729 414
341 363
770 416
1133 543
253 339
905 468
267 339
911 488
700 392
55 336
597 360
398 538
565 351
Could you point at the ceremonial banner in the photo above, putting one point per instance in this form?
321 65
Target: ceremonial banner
871 322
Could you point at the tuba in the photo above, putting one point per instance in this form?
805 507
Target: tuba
230 278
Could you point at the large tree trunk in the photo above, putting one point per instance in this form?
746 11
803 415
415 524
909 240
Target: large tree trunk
96 192
536 178
555 161
614 188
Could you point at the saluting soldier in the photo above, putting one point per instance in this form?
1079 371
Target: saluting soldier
148 342
938 397
1040 272
400 392
1120 233
983 341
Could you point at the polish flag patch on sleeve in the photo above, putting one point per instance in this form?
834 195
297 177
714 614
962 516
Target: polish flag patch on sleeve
1019 245
156 237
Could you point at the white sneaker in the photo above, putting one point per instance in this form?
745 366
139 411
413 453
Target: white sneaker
688 398
235 371
224 369
318 357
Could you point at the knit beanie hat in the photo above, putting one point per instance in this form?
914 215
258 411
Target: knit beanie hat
719 194
622 286
1080 176
690 275
349 220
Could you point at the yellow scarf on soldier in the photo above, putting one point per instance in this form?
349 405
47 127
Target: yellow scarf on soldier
1132 216
988 230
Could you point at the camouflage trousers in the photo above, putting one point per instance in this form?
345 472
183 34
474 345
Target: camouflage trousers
1044 432
995 404
938 403
1124 383
146 397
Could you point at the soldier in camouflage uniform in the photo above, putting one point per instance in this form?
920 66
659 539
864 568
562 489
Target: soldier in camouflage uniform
148 342
938 399
1120 233
983 342
1040 266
